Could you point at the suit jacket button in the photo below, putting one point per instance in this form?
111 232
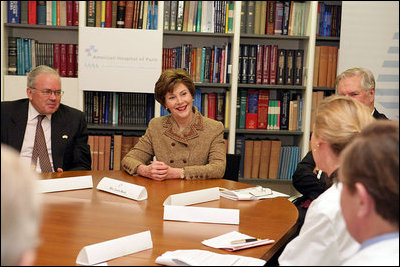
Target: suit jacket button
171 161
184 161
172 144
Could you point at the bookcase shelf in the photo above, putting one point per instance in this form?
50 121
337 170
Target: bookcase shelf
272 37
268 132
44 27
271 86
203 34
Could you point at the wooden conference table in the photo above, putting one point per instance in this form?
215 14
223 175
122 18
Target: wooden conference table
74 219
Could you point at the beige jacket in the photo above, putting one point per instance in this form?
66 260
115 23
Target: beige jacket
200 149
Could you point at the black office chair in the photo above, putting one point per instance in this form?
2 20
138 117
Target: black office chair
232 167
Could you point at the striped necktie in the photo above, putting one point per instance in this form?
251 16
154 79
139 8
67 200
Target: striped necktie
40 148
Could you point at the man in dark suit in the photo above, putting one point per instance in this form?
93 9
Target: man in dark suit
64 128
358 83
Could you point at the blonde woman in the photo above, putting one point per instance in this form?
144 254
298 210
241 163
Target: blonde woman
323 238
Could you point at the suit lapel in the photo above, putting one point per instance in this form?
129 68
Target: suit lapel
19 118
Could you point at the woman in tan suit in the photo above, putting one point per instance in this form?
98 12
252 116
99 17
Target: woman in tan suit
186 145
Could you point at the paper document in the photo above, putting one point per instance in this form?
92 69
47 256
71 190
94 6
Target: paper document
198 257
201 214
65 184
122 188
225 241
252 193
193 197
111 249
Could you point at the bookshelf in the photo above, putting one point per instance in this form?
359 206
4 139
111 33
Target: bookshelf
74 96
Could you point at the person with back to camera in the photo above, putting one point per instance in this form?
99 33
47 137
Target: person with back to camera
369 172
186 144
323 238
20 210
358 83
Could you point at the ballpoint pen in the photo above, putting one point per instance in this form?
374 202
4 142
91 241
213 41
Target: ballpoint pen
247 240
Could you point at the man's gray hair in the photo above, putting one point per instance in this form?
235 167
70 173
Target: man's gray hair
41 69
367 78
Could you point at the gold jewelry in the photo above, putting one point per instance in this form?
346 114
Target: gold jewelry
182 173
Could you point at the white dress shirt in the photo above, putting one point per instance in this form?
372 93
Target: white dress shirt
29 137
382 250
323 238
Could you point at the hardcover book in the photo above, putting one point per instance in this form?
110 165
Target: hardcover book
251 109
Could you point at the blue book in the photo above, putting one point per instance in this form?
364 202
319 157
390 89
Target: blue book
281 163
14 12
149 18
243 103
41 12
197 99
149 108
163 111
155 15
239 149
107 96
300 114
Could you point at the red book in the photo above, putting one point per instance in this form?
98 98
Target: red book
56 57
266 64
108 14
251 109
212 99
270 27
274 64
259 66
32 15
129 14
70 12
262 109
70 60
76 60
63 60
75 15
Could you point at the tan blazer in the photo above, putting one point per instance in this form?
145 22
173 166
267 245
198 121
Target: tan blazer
200 149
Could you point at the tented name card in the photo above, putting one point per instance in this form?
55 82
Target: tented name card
65 184
193 197
115 248
121 188
201 214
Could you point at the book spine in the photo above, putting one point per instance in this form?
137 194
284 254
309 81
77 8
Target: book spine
274 63
32 13
108 14
41 12
121 14
251 109
280 76
290 63
298 69
13 11
12 55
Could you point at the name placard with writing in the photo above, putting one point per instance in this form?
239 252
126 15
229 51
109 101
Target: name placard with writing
122 188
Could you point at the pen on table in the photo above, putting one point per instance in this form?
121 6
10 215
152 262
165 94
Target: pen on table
244 240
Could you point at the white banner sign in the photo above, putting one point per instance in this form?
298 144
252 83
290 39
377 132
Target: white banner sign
119 60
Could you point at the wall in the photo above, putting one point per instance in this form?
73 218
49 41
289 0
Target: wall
370 38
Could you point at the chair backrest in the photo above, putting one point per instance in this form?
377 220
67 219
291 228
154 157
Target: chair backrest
232 167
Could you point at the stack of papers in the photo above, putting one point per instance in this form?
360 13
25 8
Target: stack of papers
252 193
198 257
234 240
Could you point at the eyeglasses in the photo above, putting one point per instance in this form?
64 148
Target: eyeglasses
48 92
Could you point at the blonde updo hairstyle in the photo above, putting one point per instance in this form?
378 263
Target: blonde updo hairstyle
338 119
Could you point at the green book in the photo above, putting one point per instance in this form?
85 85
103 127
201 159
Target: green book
243 104
198 23
53 12
91 14
203 62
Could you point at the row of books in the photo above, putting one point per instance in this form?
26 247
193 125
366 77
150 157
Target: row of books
273 17
199 16
325 66
108 151
122 14
328 20
266 159
115 108
208 64
57 13
267 109
24 54
267 64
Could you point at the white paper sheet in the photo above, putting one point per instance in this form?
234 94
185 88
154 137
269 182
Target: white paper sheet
201 214
111 249
224 241
198 257
65 184
193 197
252 193
122 188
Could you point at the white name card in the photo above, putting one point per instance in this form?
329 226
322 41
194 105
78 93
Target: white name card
115 248
193 197
121 188
65 184
201 214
